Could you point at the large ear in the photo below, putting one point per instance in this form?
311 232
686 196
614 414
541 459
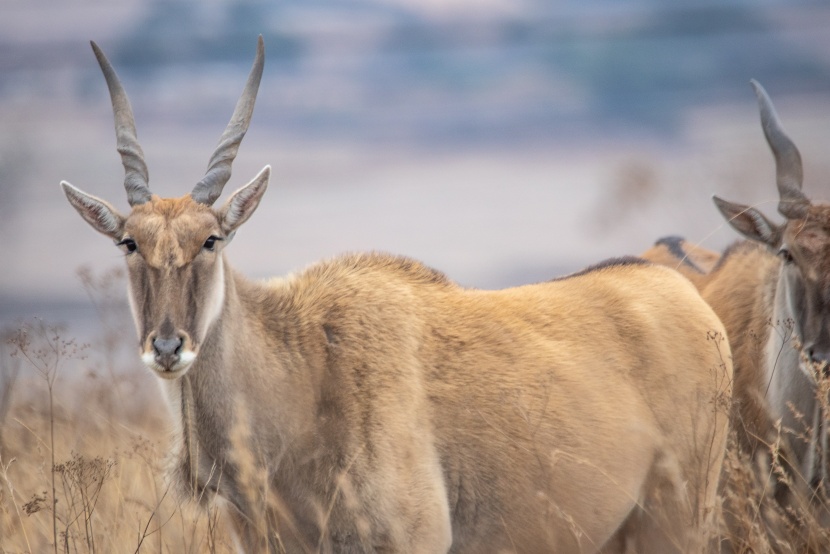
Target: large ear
242 204
98 213
749 222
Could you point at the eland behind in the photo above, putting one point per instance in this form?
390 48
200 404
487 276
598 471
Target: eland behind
772 293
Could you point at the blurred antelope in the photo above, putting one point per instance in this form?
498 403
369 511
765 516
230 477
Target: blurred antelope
369 404
773 294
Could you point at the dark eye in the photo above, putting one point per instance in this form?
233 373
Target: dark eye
129 244
210 243
785 255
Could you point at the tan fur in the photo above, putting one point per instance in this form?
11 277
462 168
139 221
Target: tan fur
535 415
740 290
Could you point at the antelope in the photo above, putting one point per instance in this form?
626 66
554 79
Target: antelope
772 292
368 403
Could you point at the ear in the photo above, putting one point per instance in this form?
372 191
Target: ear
98 213
749 222
242 204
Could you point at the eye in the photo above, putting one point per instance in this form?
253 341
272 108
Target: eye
785 255
210 243
129 245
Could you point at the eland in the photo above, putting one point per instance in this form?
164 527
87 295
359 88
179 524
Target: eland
772 292
370 404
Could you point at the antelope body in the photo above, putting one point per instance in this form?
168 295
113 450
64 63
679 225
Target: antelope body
772 293
368 403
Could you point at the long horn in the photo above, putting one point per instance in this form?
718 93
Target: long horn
789 174
210 187
132 157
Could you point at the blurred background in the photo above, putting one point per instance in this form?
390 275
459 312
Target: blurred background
500 141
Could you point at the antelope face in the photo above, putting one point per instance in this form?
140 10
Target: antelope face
176 282
173 250
173 246
805 278
802 243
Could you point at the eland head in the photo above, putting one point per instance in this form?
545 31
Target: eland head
173 246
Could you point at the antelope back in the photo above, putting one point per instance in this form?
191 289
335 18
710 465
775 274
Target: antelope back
692 261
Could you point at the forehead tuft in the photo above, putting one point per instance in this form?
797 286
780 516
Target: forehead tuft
171 208
170 230
819 215
173 211
812 232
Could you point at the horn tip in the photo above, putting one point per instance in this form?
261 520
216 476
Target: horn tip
757 88
760 92
103 62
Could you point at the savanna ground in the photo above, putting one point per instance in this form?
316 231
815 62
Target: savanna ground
82 456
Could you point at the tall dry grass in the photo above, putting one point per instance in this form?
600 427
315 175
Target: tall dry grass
80 473
766 504
83 445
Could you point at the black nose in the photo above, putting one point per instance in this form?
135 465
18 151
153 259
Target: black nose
167 350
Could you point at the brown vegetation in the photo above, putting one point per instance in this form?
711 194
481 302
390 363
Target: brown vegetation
79 472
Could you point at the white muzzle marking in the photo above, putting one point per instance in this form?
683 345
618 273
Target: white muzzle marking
184 362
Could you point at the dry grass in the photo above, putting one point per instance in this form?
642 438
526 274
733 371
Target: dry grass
81 473
757 514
